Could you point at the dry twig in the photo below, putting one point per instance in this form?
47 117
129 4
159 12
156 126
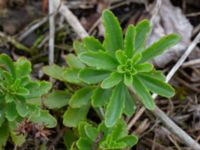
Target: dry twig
191 63
51 32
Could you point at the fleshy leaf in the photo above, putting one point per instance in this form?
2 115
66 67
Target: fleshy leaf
92 44
4 132
145 67
73 146
100 97
142 30
9 98
136 58
45 119
121 57
130 106
22 108
100 60
155 74
73 116
23 67
34 89
113 39
79 47
81 128
2 116
11 113
18 140
130 140
91 132
112 80
44 88
115 106
157 86
84 144
6 62
128 79
8 78
71 75
73 61
112 145
81 97
22 91
92 76
159 47
54 71
57 99
129 41
143 93
69 138
118 131
34 110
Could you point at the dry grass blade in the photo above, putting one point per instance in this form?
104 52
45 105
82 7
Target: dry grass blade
191 63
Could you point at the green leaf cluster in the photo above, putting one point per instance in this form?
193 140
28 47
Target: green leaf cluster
18 96
127 62
104 138
105 73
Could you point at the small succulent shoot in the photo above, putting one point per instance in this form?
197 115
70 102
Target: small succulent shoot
18 98
101 137
127 62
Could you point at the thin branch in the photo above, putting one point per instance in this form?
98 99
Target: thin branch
51 32
193 14
193 62
71 18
